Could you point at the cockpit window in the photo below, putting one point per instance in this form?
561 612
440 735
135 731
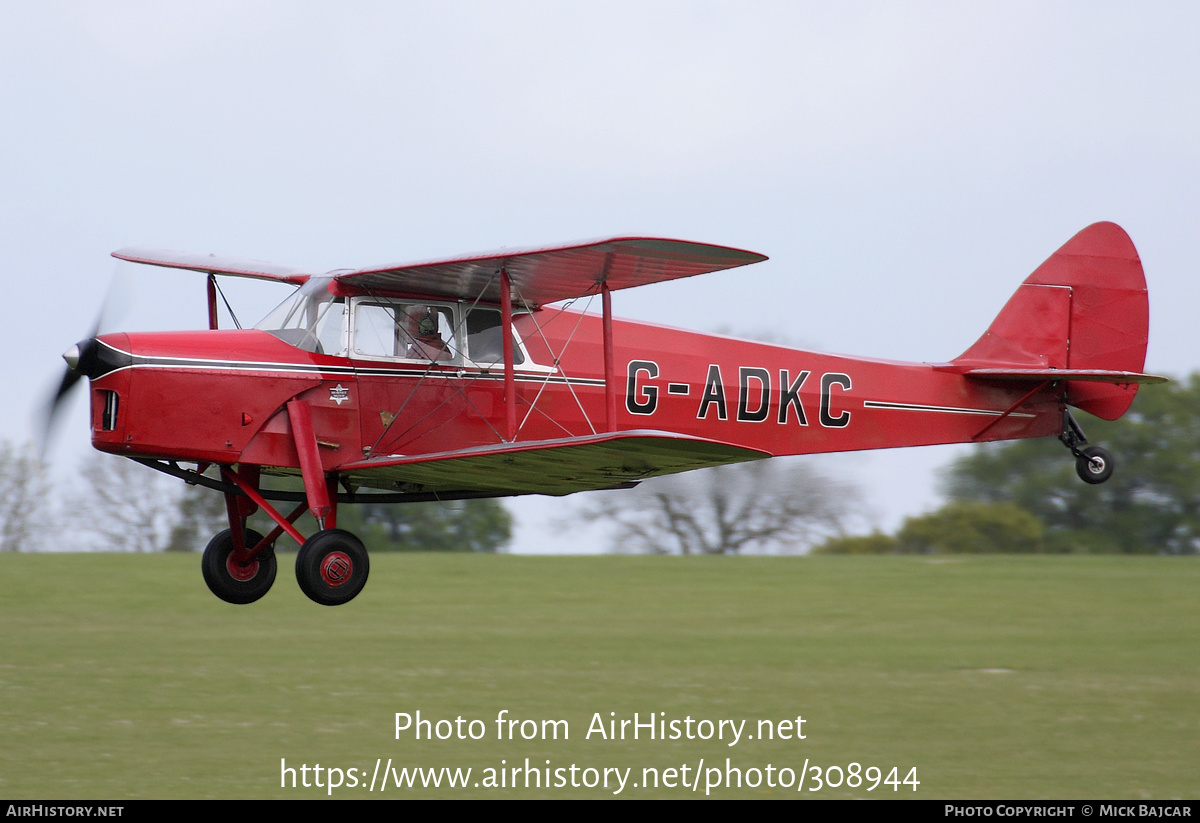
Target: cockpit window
410 331
314 319
485 345
311 319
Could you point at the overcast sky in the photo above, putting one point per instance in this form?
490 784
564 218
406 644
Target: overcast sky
904 165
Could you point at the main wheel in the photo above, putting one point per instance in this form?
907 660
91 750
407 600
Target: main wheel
1094 466
332 567
230 576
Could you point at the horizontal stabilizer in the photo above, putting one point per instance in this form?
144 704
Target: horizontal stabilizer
556 467
1121 378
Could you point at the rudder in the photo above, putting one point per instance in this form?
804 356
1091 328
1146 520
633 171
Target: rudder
1085 308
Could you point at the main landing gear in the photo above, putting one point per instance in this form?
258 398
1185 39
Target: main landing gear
331 567
1093 464
239 564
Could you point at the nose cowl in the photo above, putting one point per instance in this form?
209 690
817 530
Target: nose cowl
92 358
81 358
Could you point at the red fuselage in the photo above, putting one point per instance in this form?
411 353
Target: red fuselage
220 396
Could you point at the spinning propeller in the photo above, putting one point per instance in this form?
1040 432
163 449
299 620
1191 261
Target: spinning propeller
82 361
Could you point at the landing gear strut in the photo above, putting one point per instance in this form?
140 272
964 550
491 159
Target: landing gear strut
331 566
1093 464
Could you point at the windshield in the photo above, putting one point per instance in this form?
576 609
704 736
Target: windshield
311 319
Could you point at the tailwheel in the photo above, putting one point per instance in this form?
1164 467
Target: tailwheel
232 575
332 567
1094 465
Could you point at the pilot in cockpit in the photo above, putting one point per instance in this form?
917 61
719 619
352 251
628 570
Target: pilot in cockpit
421 331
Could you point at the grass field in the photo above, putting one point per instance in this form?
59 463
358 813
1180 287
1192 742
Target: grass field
997 677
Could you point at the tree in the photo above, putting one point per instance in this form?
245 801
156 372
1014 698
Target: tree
972 528
956 528
1151 503
202 515
765 505
874 543
124 506
457 525
23 491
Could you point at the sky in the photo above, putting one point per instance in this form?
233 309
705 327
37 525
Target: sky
903 165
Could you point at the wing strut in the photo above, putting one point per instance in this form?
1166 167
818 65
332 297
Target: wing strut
510 381
610 377
610 382
212 301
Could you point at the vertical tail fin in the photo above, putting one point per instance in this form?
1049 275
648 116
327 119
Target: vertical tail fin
1085 308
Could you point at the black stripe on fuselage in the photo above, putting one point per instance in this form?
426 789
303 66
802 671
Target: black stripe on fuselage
332 371
881 404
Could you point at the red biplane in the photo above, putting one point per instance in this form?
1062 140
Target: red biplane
467 378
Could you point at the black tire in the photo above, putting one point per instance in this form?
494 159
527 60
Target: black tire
1095 466
332 567
233 582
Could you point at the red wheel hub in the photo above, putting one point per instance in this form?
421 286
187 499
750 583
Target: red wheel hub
238 570
336 568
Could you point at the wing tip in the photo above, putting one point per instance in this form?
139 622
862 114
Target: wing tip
211 264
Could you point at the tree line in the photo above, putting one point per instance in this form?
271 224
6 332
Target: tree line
1015 497
1023 495
115 504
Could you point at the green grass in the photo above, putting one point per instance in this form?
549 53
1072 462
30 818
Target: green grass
996 677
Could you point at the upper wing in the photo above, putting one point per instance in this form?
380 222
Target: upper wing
600 461
212 264
538 276
546 275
